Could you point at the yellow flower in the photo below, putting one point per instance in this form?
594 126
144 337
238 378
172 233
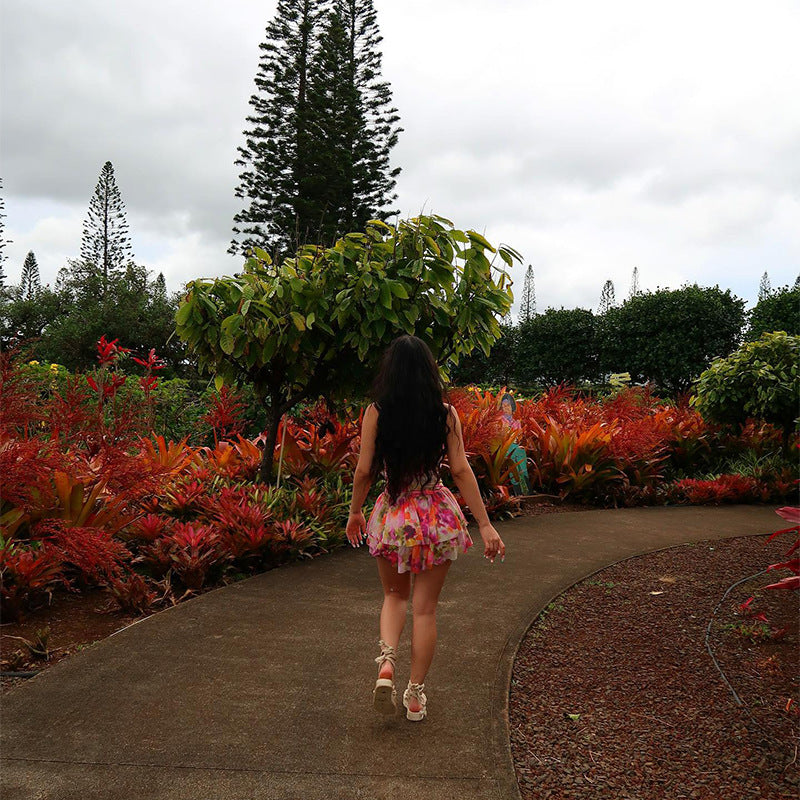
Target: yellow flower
33 363
54 367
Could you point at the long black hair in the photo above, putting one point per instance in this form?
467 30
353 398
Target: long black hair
412 420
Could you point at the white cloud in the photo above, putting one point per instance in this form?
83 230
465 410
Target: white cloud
593 137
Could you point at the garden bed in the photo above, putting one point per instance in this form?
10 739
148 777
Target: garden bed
624 653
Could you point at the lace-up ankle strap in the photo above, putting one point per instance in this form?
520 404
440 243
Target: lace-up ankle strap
387 654
416 689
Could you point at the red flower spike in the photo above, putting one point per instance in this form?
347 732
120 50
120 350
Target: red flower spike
152 363
109 352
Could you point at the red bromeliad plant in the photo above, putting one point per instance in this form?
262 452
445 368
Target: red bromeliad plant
105 382
195 551
790 514
312 500
293 538
689 440
724 489
133 594
184 498
237 510
324 448
72 416
20 412
573 464
149 527
481 422
25 573
237 461
487 443
26 467
92 553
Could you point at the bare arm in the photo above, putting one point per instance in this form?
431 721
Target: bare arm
467 484
362 478
462 473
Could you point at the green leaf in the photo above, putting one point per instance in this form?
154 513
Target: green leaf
476 237
219 382
298 320
226 343
386 296
398 290
184 312
232 324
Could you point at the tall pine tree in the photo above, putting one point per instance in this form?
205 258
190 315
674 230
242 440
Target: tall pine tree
764 288
634 283
607 297
105 248
317 157
353 114
528 305
276 152
3 240
30 282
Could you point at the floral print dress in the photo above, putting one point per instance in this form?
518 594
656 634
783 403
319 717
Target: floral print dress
423 528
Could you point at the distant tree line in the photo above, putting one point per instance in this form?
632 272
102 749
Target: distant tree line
667 337
104 292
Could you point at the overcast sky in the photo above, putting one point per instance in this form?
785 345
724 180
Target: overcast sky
592 137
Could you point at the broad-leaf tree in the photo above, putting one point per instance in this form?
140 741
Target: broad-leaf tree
670 336
778 311
556 347
318 323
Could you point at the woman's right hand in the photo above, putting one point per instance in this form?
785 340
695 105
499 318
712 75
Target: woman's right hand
492 543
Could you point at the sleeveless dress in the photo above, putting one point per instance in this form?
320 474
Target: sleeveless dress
424 527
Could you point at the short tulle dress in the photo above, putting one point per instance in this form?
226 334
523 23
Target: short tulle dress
423 528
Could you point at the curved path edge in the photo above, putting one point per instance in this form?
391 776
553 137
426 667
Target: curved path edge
508 786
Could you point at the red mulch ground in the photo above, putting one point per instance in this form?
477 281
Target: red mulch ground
625 649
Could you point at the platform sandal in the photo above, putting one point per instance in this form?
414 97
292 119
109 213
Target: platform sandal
415 690
384 695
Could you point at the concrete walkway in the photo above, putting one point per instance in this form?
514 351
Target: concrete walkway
262 689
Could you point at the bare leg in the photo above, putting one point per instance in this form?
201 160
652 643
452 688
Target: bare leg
427 586
396 588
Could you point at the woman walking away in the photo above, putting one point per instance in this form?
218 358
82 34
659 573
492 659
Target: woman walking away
416 526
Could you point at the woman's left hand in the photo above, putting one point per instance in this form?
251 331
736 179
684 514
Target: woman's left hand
356 528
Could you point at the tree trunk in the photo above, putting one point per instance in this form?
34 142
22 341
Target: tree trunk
265 470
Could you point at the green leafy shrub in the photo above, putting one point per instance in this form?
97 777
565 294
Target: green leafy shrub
761 379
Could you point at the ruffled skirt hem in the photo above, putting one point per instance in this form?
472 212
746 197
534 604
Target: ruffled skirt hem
421 557
422 529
